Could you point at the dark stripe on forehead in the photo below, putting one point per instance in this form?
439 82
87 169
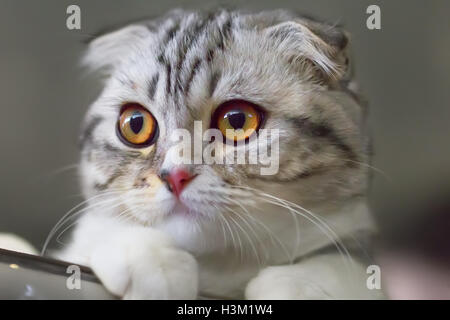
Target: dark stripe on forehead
225 33
170 34
209 55
194 70
89 129
152 86
187 37
168 77
226 28
192 34
322 130
213 82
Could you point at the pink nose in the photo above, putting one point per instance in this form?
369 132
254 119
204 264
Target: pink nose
177 180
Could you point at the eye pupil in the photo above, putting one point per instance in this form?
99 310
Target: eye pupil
136 126
236 119
136 122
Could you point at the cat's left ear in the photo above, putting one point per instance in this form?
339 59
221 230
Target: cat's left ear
314 45
106 52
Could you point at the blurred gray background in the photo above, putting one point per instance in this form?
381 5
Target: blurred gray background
404 70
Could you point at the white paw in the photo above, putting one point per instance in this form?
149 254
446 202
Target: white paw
143 265
320 277
276 283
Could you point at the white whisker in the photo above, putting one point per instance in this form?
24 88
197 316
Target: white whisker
230 230
318 222
62 220
377 170
255 251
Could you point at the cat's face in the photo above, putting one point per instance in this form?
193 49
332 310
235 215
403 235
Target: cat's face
269 71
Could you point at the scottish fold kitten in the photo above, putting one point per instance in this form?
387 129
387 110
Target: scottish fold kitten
155 228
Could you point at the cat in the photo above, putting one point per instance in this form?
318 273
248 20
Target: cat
157 229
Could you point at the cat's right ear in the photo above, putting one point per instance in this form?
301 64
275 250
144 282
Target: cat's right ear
106 52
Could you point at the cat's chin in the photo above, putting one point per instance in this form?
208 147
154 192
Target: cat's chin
192 230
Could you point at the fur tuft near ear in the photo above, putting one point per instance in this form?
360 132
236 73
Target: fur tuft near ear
107 51
309 43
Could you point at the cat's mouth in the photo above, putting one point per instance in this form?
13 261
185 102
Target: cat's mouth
186 208
181 209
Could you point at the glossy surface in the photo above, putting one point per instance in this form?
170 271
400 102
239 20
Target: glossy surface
137 126
237 119
30 277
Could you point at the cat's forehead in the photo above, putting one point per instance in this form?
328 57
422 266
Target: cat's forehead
189 66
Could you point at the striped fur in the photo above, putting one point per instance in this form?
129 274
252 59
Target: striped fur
181 67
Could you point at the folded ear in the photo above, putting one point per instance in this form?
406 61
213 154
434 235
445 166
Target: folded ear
312 45
106 52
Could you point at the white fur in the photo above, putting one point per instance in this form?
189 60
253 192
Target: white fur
143 263
319 277
159 250
134 262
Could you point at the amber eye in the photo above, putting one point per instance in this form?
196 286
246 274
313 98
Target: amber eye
136 126
237 119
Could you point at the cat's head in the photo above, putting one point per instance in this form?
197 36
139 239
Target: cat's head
273 71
